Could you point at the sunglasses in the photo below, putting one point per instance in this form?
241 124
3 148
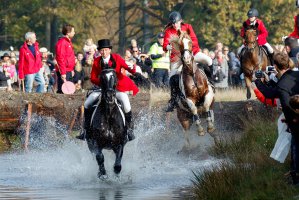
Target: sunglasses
135 51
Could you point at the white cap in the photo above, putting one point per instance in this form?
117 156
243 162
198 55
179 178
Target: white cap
43 50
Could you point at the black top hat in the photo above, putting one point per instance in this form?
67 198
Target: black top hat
104 43
5 55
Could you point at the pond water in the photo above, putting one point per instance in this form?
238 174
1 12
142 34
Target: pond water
153 167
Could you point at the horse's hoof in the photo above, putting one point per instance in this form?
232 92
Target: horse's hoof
211 129
201 131
117 169
102 176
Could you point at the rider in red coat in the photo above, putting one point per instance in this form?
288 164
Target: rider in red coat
175 24
295 33
124 85
262 32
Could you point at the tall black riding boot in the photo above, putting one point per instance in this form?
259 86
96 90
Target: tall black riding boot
209 72
174 89
129 125
86 124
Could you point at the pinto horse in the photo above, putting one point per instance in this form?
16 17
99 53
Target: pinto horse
108 124
197 94
253 57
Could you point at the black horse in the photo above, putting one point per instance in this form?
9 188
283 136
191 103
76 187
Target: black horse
107 124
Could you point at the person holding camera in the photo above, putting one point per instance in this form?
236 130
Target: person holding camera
287 86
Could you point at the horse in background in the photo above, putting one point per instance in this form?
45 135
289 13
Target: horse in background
253 57
197 94
107 124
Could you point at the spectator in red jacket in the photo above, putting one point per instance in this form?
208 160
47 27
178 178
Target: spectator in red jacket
262 32
65 57
30 63
124 85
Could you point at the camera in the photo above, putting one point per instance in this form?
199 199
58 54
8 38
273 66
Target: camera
270 69
259 74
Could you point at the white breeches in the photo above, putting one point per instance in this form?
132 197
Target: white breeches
121 96
124 99
240 49
176 67
203 58
91 99
270 49
267 45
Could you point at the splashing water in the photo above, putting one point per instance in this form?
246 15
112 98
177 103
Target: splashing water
151 165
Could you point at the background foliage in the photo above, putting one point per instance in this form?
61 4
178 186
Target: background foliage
213 20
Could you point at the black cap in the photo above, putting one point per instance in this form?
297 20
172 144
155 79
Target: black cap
160 35
104 43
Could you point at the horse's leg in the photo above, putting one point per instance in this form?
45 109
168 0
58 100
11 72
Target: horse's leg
118 156
248 84
100 160
185 122
209 98
193 109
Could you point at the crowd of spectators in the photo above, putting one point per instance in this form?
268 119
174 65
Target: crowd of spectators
153 65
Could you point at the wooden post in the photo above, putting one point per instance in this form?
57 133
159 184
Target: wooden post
23 87
29 112
82 115
73 121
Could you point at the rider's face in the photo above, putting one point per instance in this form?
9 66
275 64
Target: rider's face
177 25
252 19
105 52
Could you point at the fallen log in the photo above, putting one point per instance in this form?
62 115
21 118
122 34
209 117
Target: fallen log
66 109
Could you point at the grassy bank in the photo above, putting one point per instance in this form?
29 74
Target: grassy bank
8 141
247 172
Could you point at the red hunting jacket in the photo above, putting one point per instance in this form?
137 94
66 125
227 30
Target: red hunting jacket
65 55
28 64
295 32
184 27
124 83
263 33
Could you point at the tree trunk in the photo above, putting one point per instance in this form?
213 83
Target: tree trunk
146 29
122 27
48 32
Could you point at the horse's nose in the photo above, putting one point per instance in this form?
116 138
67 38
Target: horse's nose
187 57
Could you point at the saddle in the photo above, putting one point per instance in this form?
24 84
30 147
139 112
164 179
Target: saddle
96 114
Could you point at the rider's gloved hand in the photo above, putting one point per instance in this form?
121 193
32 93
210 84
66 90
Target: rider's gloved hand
130 65
169 47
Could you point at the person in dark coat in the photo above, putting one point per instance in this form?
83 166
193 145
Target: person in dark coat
287 86
292 48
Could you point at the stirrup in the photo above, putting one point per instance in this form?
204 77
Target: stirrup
170 107
131 136
82 135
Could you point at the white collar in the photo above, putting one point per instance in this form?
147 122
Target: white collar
106 60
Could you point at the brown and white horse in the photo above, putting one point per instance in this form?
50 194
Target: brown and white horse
253 57
197 94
